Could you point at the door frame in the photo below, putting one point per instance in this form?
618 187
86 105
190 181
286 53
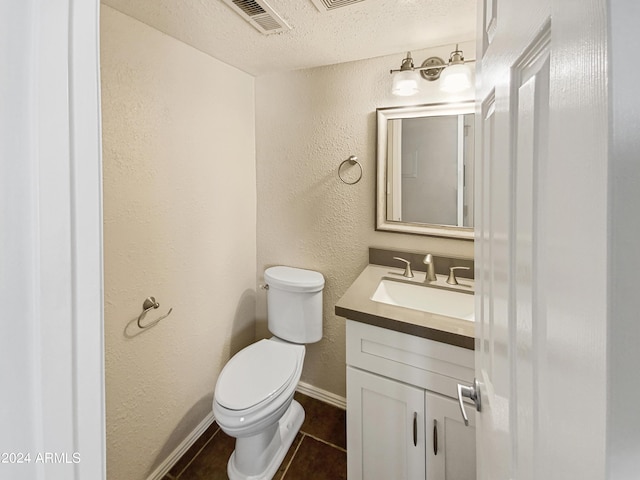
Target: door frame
51 233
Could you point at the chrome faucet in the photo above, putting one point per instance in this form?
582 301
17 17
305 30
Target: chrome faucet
407 269
431 269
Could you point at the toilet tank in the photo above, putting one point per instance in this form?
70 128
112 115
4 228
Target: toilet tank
294 303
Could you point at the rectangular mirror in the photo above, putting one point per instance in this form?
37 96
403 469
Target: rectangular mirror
425 168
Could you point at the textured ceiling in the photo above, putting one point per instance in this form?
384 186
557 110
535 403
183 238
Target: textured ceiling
367 29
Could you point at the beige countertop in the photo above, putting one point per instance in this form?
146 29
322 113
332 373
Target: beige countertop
356 304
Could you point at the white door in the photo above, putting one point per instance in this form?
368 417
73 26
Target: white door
541 239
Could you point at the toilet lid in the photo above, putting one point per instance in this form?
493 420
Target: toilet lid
294 279
255 373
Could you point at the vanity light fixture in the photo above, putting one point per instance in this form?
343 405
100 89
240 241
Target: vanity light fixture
455 76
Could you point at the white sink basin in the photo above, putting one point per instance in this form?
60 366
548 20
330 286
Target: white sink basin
425 298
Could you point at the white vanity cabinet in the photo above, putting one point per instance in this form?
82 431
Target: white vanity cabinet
399 387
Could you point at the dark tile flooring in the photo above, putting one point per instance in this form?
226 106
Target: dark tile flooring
318 452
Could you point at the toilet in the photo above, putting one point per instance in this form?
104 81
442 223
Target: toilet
253 398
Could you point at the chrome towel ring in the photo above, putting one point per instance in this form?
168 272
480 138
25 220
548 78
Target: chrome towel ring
352 160
150 303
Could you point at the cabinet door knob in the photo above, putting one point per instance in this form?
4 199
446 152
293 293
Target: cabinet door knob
472 393
415 429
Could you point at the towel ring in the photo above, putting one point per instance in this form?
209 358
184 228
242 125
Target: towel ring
150 303
352 160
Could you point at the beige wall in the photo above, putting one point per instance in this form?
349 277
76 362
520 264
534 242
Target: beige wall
179 224
308 122
181 154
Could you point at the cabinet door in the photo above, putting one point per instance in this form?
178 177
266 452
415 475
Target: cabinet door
385 428
451 446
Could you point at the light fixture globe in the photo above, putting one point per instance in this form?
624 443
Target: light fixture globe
455 78
405 83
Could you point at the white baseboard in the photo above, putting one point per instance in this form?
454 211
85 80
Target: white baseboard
181 449
322 395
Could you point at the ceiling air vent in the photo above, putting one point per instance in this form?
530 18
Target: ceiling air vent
259 14
328 5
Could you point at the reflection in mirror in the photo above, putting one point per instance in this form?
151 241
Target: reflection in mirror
425 169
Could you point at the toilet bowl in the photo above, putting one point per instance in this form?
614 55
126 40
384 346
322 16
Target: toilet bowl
253 398
253 394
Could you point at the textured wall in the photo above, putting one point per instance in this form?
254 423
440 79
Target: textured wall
307 122
180 216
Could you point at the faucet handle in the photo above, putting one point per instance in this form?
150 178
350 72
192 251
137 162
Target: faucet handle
407 269
452 280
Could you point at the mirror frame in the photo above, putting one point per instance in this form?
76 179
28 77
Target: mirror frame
415 111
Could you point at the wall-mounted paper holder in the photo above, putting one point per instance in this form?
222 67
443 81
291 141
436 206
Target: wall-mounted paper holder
149 304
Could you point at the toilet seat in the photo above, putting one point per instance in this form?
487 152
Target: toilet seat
256 374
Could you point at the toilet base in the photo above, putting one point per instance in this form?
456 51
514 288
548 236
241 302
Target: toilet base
259 457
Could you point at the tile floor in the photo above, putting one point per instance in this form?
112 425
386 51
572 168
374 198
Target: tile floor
318 452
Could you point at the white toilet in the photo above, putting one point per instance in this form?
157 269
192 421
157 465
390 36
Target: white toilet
253 399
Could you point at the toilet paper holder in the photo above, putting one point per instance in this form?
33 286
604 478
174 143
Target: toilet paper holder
150 304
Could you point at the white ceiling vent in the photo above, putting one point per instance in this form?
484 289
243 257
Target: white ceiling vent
328 5
259 14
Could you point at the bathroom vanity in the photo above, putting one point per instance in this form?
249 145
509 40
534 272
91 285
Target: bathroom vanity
403 369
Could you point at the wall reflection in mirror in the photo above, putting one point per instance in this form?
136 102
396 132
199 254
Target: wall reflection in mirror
426 169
